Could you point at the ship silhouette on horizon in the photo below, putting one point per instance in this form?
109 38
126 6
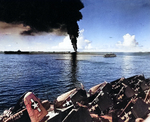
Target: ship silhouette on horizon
16 52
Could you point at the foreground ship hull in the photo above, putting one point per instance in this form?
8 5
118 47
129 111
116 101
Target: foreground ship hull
122 100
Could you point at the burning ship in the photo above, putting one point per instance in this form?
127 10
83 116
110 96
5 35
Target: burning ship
122 100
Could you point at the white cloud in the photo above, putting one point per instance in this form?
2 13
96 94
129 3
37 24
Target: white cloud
64 45
82 44
129 41
129 44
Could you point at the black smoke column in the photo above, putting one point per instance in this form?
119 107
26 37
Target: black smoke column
44 16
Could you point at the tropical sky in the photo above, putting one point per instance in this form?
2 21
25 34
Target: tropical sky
106 26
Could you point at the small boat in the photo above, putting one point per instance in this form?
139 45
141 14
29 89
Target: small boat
110 55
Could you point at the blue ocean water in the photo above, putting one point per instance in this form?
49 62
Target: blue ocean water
50 75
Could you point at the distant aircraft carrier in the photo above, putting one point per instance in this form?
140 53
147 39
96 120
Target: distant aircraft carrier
16 52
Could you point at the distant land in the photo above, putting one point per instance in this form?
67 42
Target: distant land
59 52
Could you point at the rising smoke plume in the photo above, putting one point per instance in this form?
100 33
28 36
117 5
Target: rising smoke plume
44 16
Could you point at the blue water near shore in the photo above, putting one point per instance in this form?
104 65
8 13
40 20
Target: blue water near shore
50 75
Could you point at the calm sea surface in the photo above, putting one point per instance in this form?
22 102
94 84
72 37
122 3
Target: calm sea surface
50 75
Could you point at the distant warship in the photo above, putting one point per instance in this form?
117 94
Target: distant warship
16 52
